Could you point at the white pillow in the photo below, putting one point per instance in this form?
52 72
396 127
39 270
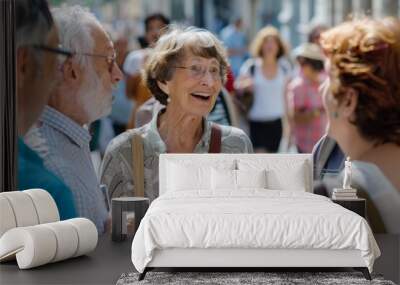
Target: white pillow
277 180
251 178
182 177
228 179
282 173
223 179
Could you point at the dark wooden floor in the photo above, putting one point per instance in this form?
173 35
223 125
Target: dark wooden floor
106 264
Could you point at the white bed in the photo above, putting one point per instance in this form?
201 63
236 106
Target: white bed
244 210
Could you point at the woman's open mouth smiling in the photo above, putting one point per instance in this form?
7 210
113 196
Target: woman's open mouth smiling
205 97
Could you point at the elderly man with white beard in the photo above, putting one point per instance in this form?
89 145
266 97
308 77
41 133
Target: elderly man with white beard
61 136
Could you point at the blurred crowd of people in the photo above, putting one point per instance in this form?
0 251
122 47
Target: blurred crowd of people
290 111
187 90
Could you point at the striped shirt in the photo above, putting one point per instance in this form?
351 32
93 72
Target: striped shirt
116 169
64 147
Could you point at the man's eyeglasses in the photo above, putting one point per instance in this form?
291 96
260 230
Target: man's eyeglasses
110 59
57 50
198 71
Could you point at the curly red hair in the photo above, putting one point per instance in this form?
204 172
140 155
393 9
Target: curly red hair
365 56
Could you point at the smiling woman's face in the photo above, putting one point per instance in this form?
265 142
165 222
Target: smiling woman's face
195 85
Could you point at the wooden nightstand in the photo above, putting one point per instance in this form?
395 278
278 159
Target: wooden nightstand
358 205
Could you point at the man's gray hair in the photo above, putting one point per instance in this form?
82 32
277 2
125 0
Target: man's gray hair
33 22
75 25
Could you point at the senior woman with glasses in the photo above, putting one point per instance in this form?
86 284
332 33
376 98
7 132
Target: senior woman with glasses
185 72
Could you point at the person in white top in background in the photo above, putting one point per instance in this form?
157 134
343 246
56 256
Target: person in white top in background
266 78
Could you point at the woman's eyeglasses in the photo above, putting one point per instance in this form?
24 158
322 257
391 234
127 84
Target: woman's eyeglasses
198 71
110 59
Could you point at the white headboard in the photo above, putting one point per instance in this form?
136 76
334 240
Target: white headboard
233 159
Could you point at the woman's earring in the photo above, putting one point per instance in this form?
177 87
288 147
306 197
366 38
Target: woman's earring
335 114
168 99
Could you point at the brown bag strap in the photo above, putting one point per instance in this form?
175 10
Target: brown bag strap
215 140
138 165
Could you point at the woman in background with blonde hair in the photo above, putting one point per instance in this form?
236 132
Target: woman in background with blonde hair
266 76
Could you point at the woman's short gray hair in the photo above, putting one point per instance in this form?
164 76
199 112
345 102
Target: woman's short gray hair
75 25
172 47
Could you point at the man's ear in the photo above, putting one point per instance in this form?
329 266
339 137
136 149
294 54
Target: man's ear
163 86
22 63
349 102
71 71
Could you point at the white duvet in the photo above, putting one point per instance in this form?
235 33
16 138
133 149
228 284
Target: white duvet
253 218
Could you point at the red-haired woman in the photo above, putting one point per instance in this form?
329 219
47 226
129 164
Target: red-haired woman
362 100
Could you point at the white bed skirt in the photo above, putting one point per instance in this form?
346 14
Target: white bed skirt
189 257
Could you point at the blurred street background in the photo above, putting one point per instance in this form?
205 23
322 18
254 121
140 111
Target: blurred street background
238 23
294 18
